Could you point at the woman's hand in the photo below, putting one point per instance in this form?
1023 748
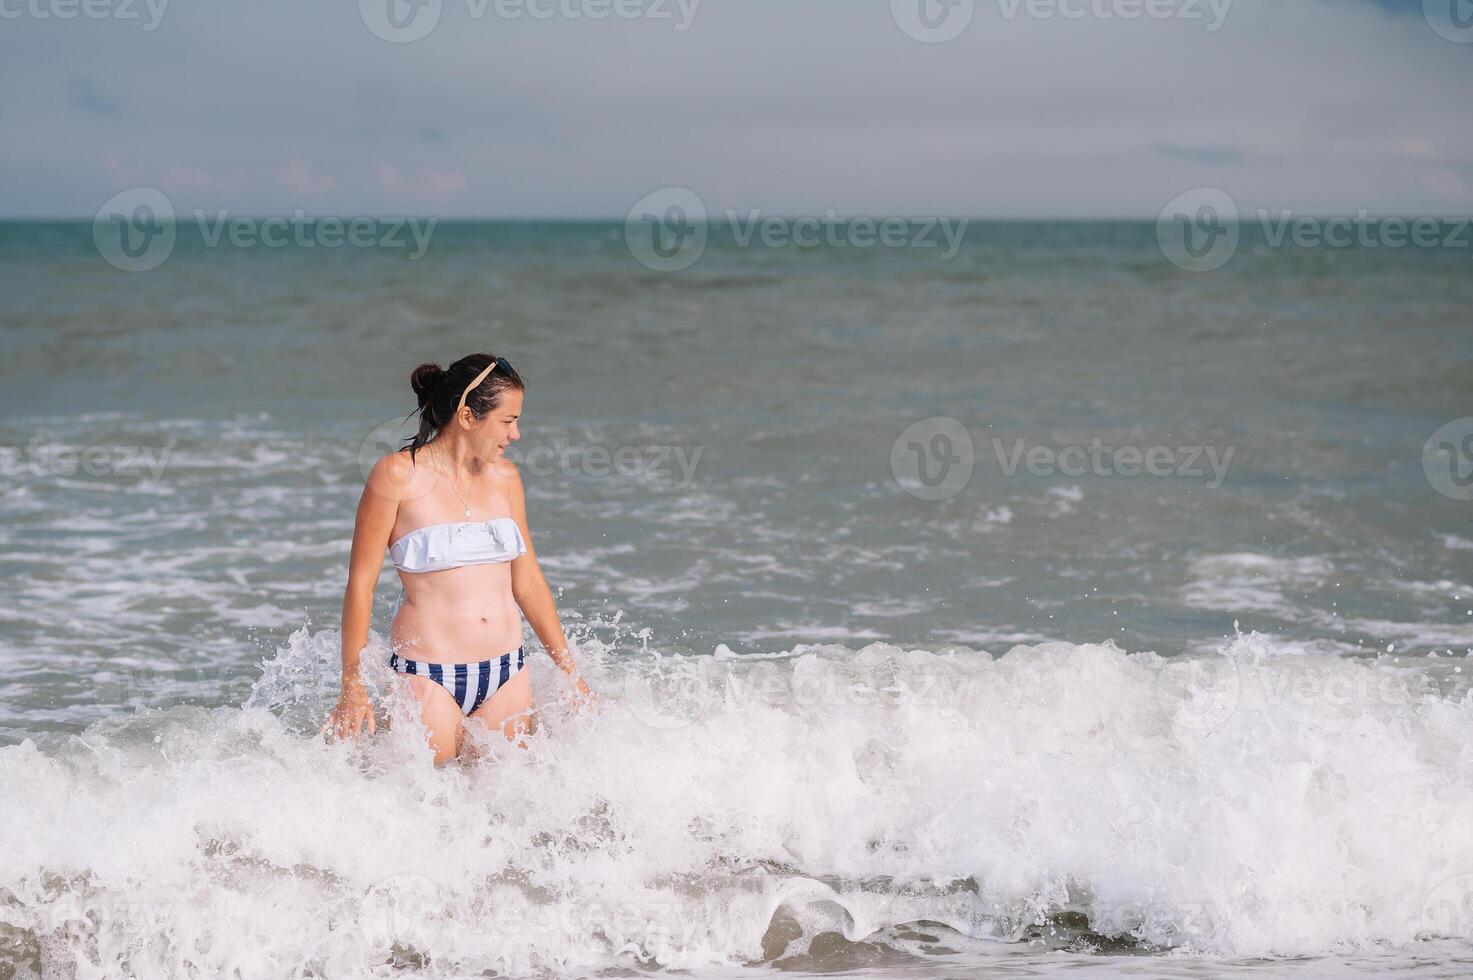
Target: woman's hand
352 711
582 696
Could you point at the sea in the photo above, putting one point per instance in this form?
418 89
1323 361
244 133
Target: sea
1052 606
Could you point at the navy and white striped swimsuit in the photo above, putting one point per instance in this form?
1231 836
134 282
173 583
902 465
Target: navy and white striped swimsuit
469 684
436 547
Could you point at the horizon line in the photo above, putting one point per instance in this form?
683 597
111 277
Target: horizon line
616 220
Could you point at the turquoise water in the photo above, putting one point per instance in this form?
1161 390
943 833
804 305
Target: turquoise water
768 508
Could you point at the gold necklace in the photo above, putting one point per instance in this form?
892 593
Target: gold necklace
440 461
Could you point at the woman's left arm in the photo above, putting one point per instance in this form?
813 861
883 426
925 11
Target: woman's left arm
530 589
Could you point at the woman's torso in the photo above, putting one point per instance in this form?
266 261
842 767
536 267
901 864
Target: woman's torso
455 615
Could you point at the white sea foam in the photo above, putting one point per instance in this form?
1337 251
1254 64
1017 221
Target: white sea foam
884 608
1409 635
728 809
1445 588
1064 500
1252 582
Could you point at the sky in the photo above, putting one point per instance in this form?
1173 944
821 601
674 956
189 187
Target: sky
541 109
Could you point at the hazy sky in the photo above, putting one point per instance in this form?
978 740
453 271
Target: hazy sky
1037 107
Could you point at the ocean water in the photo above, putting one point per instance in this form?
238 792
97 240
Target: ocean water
905 667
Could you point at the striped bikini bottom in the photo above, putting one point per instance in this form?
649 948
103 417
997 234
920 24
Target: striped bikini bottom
469 684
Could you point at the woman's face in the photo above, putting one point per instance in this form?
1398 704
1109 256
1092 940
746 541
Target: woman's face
499 428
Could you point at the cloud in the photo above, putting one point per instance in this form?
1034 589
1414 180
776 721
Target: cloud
1446 186
201 180
174 179
428 186
297 176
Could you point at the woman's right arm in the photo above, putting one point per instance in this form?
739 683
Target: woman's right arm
377 510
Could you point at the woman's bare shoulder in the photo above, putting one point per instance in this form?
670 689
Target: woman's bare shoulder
507 473
397 476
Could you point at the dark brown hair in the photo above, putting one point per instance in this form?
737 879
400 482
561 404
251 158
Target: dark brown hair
439 391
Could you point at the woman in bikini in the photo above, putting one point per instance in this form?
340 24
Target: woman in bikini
450 510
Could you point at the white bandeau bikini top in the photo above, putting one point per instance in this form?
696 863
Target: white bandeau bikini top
436 547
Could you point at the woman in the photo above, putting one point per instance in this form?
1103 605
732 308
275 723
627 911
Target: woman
451 512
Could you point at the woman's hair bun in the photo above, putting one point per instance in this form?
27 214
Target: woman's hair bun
424 380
